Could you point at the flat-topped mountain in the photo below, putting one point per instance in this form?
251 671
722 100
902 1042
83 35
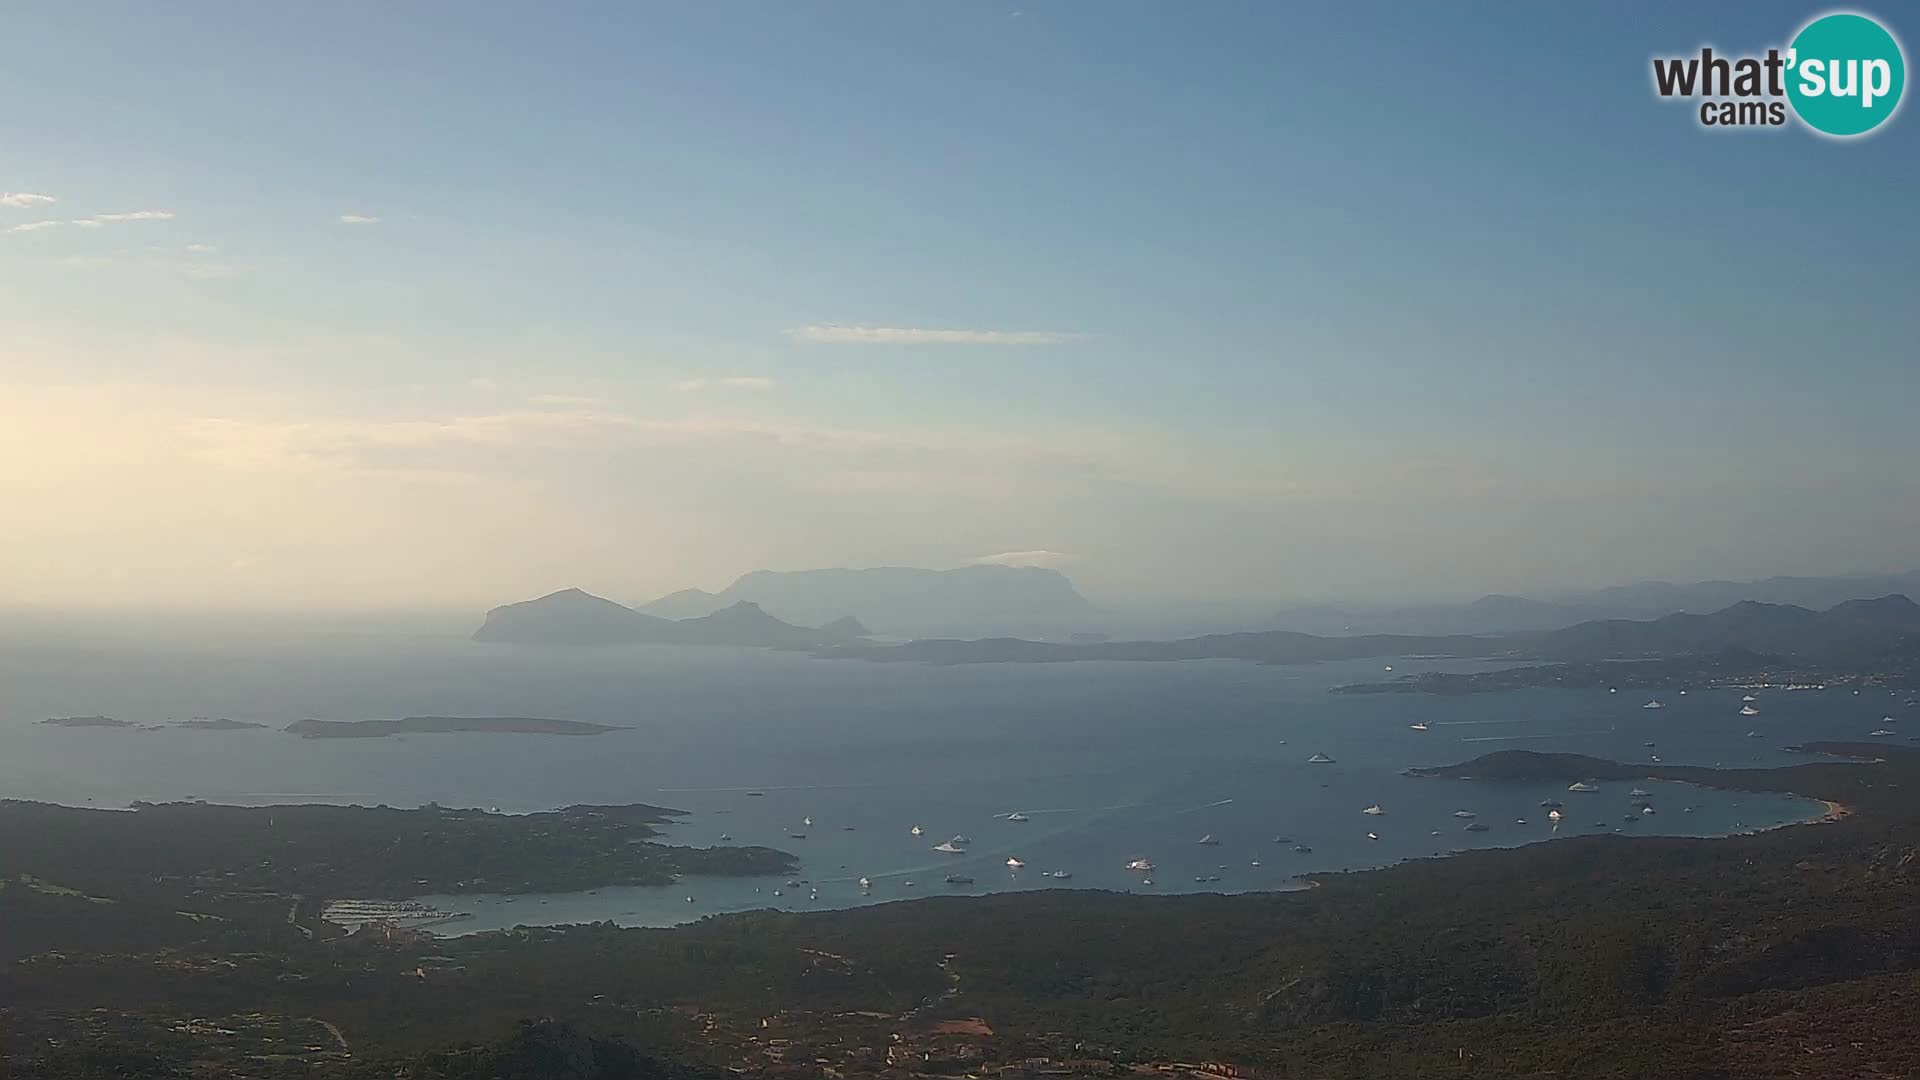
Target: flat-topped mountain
895 598
573 617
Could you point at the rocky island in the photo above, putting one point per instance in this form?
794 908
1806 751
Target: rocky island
86 721
442 725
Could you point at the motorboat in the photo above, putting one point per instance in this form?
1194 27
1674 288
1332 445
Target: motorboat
1209 841
807 821
1014 863
1144 865
866 883
1465 814
963 841
1581 785
1478 826
1016 816
916 830
949 847
1639 793
1319 759
958 879
1374 810
724 837
1656 703
1551 804
1302 849
1421 726
1749 697
1748 710
1553 815
1060 875
1373 836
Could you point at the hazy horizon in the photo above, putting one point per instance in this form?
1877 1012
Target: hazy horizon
441 314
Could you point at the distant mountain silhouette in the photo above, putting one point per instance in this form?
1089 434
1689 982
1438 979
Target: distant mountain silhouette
896 598
1502 614
1855 630
1853 626
573 617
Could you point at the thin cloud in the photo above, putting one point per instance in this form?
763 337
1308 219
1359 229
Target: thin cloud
135 215
837 334
1041 558
358 219
20 200
200 249
730 382
483 384
96 221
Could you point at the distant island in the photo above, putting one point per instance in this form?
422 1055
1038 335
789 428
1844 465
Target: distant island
574 617
899 599
86 721
1868 642
221 724
440 725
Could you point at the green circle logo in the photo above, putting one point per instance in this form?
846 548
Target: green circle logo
1844 74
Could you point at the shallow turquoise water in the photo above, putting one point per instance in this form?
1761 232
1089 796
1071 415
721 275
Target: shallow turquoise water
1108 761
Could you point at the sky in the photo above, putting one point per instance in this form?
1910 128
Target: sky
435 306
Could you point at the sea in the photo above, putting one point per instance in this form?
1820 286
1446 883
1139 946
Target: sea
1201 768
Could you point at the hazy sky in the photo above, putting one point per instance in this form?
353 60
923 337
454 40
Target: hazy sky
412 305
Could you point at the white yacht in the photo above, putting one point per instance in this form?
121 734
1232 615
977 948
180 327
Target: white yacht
1374 810
1143 865
1464 814
916 830
1553 815
949 847
1013 863
1656 703
1749 697
1421 726
1748 710
1319 759
1016 816
1581 785
1373 836
866 883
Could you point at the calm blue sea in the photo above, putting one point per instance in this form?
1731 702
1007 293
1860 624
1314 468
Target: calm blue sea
1108 761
